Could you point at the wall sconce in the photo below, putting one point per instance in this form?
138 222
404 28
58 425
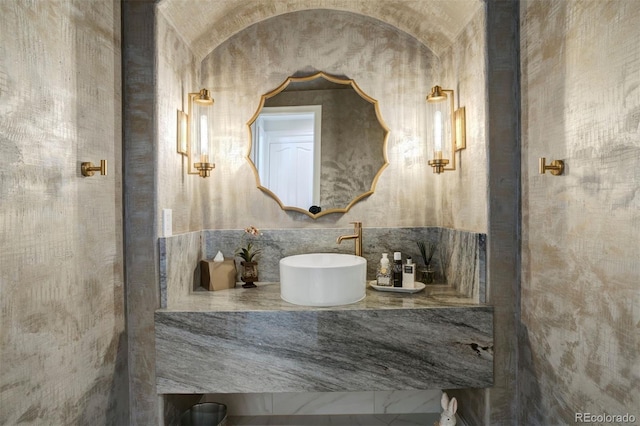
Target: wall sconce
199 133
446 129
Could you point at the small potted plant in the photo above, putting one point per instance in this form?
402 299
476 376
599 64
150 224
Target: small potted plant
427 250
249 262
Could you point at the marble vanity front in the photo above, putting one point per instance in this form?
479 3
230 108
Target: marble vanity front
251 341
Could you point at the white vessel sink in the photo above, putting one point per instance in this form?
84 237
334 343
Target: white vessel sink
323 279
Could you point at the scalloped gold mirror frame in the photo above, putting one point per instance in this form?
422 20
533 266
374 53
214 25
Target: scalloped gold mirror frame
336 80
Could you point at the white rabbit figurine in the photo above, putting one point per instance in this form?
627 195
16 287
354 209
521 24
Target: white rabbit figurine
448 416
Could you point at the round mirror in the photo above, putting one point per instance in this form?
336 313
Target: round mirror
317 144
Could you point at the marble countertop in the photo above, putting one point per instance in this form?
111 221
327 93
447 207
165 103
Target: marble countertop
266 297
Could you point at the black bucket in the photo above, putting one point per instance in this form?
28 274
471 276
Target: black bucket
205 414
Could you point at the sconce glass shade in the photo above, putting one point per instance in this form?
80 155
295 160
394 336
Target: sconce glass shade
200 133
440 137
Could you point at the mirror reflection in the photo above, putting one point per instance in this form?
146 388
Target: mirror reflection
318 144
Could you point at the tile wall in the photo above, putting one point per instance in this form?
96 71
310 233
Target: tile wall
329 403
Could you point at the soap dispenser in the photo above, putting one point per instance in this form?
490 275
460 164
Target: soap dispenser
383 274
397 269
409 274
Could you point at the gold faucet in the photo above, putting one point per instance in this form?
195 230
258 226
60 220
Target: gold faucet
357 236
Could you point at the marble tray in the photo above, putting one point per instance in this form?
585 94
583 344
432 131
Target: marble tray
418 287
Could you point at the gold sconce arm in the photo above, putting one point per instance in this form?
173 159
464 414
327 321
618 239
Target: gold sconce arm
88 169
460 128
555 168
439 165
204 169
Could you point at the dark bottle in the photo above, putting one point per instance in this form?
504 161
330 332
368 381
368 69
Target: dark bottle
397 269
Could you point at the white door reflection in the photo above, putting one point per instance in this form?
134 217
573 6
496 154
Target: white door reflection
287 151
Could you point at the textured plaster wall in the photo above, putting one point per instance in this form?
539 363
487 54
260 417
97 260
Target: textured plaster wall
62 346
205 24
176 77
463 194
581 231
387 64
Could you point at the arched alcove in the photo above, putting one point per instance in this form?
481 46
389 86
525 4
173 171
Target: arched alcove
146 30
203 25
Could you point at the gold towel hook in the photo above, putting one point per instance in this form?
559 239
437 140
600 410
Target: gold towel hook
556 167
88 169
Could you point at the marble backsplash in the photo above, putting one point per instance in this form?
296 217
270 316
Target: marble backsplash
459 259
